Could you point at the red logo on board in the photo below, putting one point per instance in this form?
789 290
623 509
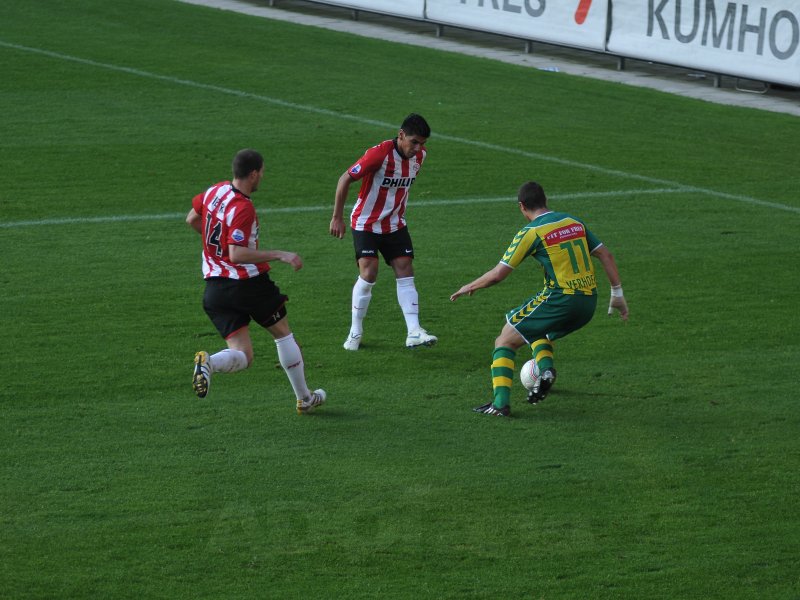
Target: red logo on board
582 11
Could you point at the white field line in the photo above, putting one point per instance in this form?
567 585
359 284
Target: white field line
301 209
391 126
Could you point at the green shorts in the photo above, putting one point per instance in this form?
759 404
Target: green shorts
551 314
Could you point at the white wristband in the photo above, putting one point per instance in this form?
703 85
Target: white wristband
616 291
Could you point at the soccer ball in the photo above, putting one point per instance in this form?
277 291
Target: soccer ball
529 374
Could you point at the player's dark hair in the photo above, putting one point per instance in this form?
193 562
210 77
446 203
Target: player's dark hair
245 162
415 124
531 195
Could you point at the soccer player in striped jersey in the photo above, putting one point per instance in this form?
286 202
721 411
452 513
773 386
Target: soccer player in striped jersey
563 246
238 285
386 172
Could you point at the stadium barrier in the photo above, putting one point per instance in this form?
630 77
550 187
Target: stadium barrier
555 22
754 40
751 39
410 9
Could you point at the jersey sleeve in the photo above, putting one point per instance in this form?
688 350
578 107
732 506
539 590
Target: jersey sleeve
592 241
197 204
522 246
241 226
369 162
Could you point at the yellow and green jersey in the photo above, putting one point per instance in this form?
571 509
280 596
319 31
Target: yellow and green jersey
562 245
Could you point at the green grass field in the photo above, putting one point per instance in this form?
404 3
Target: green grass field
663 465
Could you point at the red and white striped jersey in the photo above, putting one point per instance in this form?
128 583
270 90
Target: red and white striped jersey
385 180
228 218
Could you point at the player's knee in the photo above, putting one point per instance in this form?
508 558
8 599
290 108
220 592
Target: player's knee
369 275
403 267
508 340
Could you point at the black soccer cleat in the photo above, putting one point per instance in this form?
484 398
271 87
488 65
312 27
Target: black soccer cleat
489 409
542 386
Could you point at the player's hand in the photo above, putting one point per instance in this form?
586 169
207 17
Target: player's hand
617 302
290 258
337 227
464 291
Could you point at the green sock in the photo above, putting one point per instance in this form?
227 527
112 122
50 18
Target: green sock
543 353
502 375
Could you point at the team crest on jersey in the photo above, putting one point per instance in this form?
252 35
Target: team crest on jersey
355 170
237 235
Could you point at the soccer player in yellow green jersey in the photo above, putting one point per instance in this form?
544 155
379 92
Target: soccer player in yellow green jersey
563 246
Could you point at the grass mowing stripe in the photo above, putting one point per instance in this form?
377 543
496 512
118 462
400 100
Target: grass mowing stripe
299 209
384 125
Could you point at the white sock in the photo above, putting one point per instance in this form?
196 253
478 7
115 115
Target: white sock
227 361
362 294
291 360
408 298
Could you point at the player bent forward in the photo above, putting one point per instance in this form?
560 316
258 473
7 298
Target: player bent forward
563 246
238 286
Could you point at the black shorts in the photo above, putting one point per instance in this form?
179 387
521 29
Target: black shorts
232 303
390 245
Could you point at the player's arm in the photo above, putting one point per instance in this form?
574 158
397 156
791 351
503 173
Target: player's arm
337 227
617 300
488 279
194 220
242 255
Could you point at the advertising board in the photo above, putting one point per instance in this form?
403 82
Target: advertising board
748 38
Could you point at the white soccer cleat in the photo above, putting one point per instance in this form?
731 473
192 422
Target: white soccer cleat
201 377
352 342
420 337
307 405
